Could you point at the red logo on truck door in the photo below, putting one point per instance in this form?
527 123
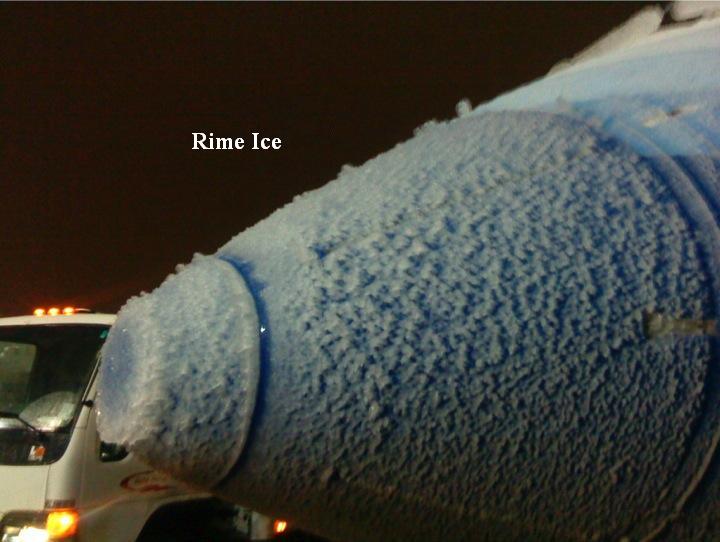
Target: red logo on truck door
144 482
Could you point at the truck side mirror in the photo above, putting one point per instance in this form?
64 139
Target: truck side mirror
112 452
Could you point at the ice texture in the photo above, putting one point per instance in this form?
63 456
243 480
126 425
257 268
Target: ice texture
636 29
684 10
451 336
179 384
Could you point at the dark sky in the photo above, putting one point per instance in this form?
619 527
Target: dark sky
101 192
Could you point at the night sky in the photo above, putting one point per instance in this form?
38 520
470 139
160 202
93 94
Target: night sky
102 194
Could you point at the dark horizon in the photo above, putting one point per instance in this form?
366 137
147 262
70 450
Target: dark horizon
103 193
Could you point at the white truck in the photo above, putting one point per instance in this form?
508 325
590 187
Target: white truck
58 480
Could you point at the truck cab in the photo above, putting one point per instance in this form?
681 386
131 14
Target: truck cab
58 480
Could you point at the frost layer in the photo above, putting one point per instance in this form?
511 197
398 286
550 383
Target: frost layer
180 370
455 346
457 335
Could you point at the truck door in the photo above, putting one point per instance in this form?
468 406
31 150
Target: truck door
116 491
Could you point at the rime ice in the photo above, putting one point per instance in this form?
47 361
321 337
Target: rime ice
453 340
192 326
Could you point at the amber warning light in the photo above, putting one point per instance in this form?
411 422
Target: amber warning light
280 526
62 523
56 311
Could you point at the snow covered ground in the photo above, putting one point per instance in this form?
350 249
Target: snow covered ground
448 341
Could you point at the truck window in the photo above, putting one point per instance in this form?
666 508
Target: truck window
44 373
16 361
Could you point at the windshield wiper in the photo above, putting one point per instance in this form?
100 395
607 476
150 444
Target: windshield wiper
22 420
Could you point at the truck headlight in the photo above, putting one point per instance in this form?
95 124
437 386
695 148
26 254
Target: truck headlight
23 527
44 526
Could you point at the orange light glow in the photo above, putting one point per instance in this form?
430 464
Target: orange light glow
280 526
53 312
62 523
39 312
68 311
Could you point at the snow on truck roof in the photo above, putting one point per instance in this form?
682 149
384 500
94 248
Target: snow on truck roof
80 318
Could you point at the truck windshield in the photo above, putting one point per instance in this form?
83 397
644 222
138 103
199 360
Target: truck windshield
44 371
